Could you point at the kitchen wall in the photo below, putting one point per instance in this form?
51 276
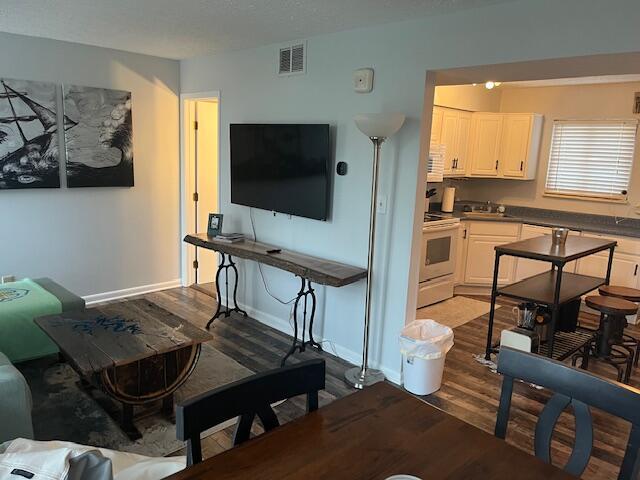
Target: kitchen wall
613 100
468 97
100 240
400 53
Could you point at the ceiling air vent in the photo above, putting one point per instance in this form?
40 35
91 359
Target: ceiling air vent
292 59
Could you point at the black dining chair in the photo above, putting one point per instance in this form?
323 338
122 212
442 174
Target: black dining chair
246 399
578 389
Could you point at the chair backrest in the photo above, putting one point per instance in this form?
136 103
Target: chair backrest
577 388
245 399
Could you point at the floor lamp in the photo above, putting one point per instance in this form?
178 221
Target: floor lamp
378 127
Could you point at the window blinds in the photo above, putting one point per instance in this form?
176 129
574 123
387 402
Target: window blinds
591 158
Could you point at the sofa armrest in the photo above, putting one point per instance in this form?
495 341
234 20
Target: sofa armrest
15 403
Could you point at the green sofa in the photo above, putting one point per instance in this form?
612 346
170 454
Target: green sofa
20 302
20 340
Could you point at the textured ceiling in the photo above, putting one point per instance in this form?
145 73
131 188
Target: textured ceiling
187 28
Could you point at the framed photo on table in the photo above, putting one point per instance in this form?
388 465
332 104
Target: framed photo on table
214 226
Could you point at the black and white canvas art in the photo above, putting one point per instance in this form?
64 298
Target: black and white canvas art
100 146
29 153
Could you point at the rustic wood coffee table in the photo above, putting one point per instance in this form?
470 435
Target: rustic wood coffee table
136 352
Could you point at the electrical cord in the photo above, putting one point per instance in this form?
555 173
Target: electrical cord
264 282
266 288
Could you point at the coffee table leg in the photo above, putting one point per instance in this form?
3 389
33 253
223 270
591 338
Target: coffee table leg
167 406
126 422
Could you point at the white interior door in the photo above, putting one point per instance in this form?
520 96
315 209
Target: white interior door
206 182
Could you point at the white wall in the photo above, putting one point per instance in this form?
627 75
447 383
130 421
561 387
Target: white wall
97 240
587 102
400 54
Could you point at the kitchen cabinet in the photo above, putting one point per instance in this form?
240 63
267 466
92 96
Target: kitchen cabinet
486 138
454 135
482 239
526 268
520 145
625 269
461 254
436 125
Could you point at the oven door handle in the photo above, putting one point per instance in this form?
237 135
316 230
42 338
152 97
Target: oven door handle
443 228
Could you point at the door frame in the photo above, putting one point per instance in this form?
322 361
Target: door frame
186 256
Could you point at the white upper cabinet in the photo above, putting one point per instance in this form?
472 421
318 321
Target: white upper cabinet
488 145
454 127
520 145
436 125
486 138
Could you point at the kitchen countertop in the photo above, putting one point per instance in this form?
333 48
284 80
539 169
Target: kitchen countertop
623 226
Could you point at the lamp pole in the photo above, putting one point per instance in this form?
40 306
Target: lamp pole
360 377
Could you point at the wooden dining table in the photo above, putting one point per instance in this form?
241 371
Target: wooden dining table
374 434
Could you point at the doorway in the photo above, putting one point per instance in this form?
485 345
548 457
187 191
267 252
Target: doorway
200 162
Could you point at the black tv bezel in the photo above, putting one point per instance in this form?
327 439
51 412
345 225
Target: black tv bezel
328 177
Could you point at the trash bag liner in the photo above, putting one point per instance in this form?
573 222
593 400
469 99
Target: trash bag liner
426 339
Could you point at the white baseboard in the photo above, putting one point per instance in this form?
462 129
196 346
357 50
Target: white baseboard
130 292
341 351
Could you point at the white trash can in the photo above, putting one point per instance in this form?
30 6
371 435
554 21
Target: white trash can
424 345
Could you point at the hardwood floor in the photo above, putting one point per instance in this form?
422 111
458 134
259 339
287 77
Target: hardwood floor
470 391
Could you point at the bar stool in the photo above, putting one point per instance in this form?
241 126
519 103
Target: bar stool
632 295
608 345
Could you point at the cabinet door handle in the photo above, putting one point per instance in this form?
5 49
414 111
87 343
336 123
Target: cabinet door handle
521 166
496 164
635 272
456 164
464 237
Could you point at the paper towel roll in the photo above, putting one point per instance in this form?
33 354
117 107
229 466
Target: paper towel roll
448 197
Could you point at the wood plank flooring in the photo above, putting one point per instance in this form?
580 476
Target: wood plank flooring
470 391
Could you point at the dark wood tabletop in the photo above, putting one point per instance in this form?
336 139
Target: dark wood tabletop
542 248
117 334
373 434
317 270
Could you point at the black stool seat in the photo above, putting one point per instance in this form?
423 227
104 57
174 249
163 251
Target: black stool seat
627 293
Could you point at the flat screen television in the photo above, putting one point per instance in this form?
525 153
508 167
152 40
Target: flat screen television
281 168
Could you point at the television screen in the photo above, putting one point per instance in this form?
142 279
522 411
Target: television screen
281 168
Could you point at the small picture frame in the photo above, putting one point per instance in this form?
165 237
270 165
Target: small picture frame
214 225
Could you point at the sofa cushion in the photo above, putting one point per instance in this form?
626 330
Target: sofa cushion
15 403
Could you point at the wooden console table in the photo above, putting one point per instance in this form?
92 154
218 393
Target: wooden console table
553 288
308 268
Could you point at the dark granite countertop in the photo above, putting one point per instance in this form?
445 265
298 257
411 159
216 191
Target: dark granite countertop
623 226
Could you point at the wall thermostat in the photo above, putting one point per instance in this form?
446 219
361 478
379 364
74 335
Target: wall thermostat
341 168
363 80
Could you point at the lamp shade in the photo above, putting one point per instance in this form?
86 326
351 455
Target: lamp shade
380 125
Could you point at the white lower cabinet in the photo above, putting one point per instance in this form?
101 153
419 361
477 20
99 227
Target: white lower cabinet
626 262
482 238
476 256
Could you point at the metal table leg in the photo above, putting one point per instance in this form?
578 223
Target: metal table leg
555 309
492 312
226 263
306 296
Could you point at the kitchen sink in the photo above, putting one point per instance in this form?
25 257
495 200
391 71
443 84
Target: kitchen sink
484 215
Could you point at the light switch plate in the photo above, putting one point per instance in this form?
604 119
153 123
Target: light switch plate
363 80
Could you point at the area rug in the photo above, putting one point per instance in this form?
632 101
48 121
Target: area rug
455 311
62 410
